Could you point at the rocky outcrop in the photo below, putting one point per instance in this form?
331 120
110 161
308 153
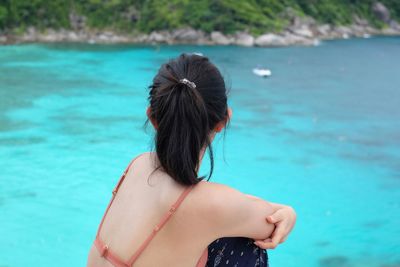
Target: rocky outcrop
323 30
301 31
381 12
304 31
298 39
243 39
159 37
394 25
187 36
219 38
270 39
3 39
77 22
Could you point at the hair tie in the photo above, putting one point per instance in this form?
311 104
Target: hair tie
188 83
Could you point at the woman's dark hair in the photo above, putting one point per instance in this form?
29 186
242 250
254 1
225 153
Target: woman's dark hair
185 115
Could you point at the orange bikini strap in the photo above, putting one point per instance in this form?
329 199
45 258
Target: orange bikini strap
114 192
159 226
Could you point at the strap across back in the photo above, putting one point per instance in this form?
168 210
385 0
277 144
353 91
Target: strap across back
105 250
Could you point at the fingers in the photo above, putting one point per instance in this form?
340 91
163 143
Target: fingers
266 244
263 244
276 217
282 222
278 237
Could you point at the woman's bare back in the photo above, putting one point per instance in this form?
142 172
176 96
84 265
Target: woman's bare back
138 207
210 211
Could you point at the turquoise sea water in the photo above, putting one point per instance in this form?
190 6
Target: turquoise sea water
322 134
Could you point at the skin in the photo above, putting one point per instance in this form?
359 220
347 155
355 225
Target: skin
209 212
284 216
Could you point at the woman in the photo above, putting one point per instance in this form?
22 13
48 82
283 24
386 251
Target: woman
161 212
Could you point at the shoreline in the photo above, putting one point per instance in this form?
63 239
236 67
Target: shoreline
301 34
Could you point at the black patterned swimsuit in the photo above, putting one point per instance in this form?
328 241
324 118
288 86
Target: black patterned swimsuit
236 252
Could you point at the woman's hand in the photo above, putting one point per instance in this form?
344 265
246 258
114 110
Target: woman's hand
284 219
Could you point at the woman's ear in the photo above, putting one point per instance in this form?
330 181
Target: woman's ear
229 114
153 122
220 125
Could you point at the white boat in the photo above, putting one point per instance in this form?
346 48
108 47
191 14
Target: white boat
262 72
316 42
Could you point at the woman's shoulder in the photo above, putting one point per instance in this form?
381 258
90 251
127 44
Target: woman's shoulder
215 198
142 160
215 193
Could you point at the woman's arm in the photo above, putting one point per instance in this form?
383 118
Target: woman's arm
231 213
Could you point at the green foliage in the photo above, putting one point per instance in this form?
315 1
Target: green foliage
162 14
40 13
108 14
3 16
228 16
333 12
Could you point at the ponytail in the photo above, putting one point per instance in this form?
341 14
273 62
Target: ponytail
185 113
